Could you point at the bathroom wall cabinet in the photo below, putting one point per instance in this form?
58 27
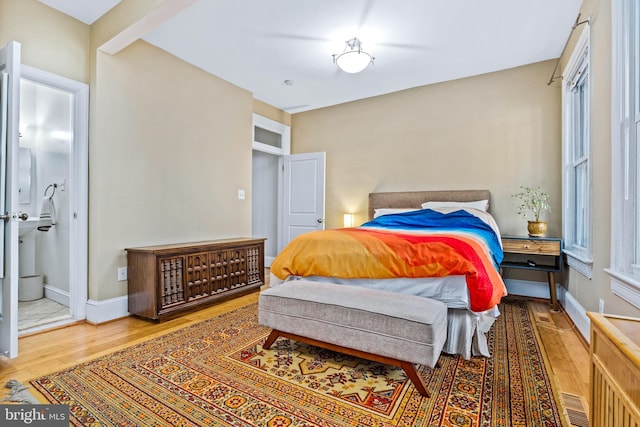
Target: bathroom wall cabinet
166 280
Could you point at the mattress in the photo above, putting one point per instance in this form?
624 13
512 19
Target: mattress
451 290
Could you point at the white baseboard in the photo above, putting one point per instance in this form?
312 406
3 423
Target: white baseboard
104 311
578 315
57 295
575 311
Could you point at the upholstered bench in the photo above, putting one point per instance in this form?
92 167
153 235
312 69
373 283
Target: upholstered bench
385 327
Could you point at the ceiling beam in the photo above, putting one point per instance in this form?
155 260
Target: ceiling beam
156 17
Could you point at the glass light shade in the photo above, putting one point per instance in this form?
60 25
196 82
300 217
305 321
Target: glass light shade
349 220
353 61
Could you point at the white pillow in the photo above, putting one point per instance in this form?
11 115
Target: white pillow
483 205
387 211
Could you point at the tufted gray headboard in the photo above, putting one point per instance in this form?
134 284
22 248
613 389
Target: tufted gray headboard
413 199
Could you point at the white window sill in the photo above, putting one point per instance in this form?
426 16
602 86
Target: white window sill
582 265
625 286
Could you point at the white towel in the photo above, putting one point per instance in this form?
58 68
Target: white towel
47 214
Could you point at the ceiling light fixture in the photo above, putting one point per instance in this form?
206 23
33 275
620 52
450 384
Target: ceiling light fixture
353 59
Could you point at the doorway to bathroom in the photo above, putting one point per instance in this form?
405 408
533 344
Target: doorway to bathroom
52 194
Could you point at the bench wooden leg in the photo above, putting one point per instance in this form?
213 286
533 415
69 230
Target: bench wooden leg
413 375
271 338
408 367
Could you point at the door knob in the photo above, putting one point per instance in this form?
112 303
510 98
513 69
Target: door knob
320 220
7 216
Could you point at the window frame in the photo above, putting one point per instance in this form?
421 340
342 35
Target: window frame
273 126
624 270
577 72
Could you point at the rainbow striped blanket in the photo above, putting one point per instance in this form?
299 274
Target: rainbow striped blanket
422 243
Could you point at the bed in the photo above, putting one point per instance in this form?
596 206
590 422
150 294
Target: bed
443 245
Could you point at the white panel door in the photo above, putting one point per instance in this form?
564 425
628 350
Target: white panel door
9 141
303 195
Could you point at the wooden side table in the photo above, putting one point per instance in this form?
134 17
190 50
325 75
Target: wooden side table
548 258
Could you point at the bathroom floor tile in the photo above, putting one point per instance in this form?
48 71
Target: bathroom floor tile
40 312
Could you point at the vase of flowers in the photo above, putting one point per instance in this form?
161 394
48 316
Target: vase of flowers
533 203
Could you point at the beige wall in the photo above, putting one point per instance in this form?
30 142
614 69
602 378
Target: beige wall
271 112
51 40
171 146
495 131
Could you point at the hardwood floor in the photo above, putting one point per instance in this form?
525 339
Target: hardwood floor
50 351
569 359
43 353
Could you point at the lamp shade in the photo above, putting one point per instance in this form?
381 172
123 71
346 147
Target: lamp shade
349 220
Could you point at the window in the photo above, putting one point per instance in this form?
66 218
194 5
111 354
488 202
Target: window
267 137
270 136
576 158
625 167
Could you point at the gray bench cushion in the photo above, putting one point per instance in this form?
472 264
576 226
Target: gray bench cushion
403 327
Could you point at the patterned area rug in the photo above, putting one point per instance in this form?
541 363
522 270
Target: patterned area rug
216 373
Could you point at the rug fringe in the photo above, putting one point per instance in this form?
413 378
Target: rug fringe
18 393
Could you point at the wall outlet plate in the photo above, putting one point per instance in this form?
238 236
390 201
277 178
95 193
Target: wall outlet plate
122 274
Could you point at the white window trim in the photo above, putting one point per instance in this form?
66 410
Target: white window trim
271 125
579 258
581 265
623 281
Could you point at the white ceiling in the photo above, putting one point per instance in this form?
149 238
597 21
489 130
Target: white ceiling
258 44
87 11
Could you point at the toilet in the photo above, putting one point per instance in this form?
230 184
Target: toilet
30 288
30 285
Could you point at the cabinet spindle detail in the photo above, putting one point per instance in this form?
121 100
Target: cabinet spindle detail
254 265
171 281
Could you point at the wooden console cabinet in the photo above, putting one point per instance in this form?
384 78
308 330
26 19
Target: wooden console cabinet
166 280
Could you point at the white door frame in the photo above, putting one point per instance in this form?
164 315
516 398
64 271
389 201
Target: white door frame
285 132
285 159
78 182
10 57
